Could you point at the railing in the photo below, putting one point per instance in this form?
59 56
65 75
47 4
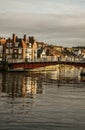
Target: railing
51 59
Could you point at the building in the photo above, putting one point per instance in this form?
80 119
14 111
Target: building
2 41
19 49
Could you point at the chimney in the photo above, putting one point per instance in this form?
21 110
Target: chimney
25 38
31 39
14 38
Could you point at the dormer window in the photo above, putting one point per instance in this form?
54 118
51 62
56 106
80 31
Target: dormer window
17 44
9 44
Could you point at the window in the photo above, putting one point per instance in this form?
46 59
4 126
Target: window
30 45
9 56
15 50
20 56
1 48
29 50
15 56
20 51
11 51
7 51
9 44
16 44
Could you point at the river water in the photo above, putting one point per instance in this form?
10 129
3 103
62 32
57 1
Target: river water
44 100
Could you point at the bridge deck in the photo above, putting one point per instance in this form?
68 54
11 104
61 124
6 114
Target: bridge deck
41 63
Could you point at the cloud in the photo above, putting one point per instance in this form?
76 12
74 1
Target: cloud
48 28
56 21
43 6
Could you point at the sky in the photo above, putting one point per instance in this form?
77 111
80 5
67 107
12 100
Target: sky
57 22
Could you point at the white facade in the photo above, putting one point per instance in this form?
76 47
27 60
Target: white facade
43 54
29 53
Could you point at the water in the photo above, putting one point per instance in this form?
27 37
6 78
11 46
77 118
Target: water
46 100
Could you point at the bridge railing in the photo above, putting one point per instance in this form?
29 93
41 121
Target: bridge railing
47 59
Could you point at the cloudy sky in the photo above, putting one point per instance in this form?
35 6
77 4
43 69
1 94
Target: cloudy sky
59 22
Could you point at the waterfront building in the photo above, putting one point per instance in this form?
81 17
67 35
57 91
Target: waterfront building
2 41
19 49
83 53
1 51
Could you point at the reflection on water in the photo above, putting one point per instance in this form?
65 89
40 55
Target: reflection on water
21 85
44 99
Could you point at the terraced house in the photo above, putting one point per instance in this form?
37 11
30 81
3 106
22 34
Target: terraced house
17 49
